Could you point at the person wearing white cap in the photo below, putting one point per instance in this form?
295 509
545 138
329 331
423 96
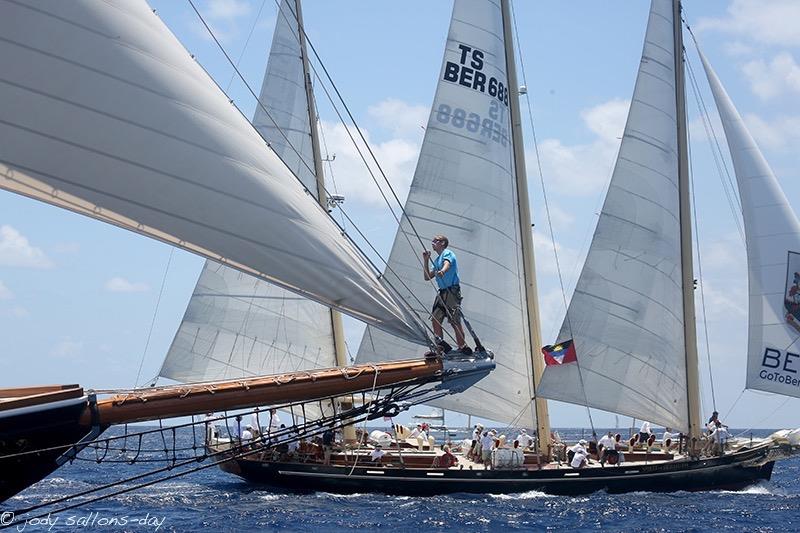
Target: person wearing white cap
525 440
579 456
247 433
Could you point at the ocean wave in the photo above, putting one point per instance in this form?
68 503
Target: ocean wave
530 495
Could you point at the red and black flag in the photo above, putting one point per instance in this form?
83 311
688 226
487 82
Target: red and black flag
560 354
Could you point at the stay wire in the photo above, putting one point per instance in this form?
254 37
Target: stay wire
246 42
411 311
155 315
549 218
700 268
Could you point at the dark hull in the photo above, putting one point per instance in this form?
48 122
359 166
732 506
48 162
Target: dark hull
38 429
732 472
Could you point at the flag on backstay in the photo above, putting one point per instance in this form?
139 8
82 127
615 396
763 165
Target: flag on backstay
560 354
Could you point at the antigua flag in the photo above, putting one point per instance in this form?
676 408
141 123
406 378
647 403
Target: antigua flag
560 354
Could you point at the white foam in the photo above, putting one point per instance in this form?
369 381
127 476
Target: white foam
530 495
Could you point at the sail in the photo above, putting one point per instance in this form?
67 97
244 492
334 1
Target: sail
626 314
236 325
464 187
106 114
772 235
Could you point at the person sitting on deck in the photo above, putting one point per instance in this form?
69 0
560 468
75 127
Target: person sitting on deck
606 447
572 451
645 432
447 459
580 459
247 434
377 454
525 440
668 440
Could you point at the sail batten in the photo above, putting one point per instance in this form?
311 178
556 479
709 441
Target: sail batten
112 118
772 236
626 313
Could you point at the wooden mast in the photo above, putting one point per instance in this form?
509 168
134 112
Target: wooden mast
337 327
529 269
689 327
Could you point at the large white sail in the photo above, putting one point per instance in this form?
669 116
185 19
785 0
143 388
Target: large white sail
626 315
236 325
464 187
106 114
772 234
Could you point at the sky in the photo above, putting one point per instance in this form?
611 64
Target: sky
85 302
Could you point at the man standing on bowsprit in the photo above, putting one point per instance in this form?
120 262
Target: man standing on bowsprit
448 300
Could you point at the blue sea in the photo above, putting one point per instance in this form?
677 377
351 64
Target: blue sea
212 499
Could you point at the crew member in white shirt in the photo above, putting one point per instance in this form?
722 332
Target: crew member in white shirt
377 454
609 446
487 444
525 440
668 440
645 432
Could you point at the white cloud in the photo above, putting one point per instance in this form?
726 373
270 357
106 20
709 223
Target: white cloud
5 292
396 156
20 312
227 9
402 118
773 22
583 169
67 348
768 80
16 251
123 285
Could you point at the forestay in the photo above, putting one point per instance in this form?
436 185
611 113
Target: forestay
106 114
626 315
236 325
464 187
772 235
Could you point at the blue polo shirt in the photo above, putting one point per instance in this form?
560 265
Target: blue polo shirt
450 277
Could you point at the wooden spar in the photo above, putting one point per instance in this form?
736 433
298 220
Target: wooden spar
337 328
185 400
689 326
529 267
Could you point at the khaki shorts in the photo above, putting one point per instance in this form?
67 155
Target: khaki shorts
446 305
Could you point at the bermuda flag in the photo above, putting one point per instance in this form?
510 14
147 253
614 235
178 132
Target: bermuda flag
560 354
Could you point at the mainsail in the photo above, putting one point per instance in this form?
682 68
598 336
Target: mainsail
626 315
772 234
236 325
126 127
464 187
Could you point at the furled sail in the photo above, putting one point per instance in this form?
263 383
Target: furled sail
772 234
464 187
106 114
626 315
236 325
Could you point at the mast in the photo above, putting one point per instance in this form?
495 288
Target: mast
529 269
337 327
689 327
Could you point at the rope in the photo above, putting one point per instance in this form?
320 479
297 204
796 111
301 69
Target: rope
700 270
155 314
549 220
246 42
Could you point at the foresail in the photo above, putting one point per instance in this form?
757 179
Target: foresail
772 234
236 325
626 315
464 187
106 114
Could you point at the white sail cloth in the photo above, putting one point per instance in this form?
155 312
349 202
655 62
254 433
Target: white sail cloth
106 114
772 234
236 325
464 187
626 315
